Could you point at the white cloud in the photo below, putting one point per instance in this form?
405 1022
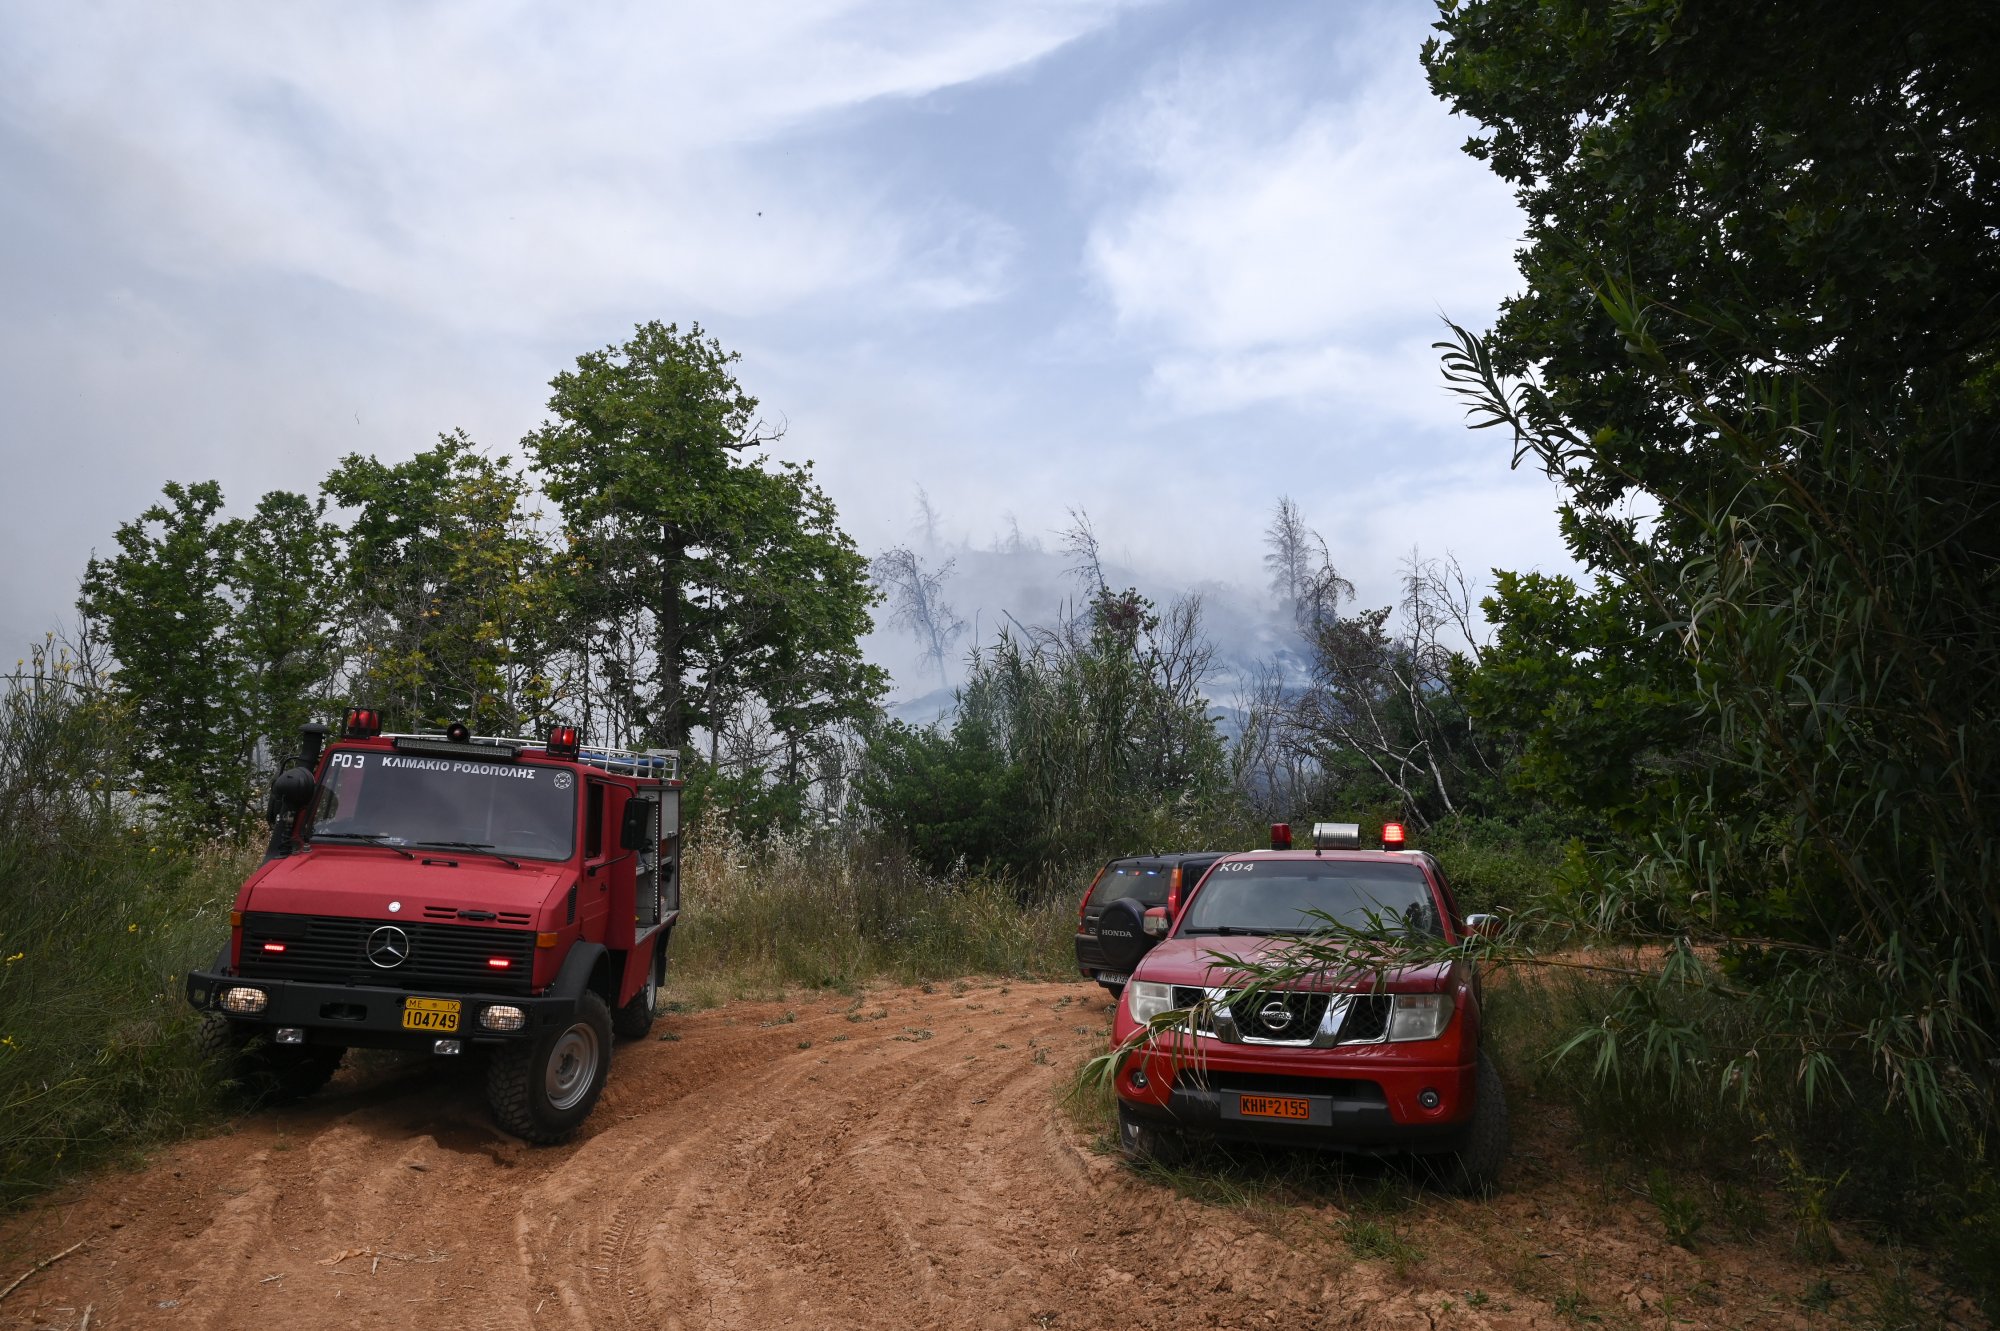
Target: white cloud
509 165
1270 247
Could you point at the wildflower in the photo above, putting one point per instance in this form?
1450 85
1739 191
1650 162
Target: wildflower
131 928
16 957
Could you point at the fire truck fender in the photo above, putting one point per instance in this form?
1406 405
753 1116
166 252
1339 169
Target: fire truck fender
586 962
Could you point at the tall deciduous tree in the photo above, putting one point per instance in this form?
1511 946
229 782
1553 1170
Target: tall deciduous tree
162 606
284 581
1758 345
735 569
449 588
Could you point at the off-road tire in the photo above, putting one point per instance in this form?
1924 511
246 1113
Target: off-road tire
542 1089
632 1021
1475 1166
258 1071
1148 1142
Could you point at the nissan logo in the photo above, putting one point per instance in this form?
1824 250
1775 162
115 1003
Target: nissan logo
1275 1016
388 947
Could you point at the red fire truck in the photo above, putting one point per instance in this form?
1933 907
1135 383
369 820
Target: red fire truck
453 894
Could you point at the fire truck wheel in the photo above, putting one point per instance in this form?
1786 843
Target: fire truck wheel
632 1021
542 1089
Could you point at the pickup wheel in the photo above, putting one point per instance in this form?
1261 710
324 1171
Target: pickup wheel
542 1089
1144 1140
1475 1166
260 1072
632 1021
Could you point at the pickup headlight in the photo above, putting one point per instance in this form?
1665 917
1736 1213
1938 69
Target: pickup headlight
1146 1000
1420 1016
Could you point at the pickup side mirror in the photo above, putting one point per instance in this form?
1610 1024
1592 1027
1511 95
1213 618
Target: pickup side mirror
1486 926
1157 922
636 831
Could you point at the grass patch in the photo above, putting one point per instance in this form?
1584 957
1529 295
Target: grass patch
98 928
767 917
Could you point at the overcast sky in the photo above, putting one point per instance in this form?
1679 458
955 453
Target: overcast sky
1161 261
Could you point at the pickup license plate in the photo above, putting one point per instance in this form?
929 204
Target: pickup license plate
1274 1106
430 1014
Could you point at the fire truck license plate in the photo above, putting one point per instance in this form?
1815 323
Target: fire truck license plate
430 1014
1274 1106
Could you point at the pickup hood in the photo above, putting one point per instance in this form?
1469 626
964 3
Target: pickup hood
1195 961
362 881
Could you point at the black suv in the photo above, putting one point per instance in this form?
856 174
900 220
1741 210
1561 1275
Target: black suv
1106 950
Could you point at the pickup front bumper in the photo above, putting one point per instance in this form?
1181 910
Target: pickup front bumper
359 1016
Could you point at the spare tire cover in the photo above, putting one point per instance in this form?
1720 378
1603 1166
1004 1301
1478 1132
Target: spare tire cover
1121 933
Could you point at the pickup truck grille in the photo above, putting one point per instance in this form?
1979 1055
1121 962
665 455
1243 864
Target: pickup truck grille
1367 1018
331 949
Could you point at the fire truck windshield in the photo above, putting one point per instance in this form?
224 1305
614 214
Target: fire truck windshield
398 800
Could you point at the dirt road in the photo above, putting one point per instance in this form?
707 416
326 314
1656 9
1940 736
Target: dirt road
896 1162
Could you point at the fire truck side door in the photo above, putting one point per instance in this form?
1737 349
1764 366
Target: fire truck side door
600 847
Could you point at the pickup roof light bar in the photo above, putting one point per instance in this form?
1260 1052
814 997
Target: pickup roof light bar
1281 836
1336 836
1392 836
363 723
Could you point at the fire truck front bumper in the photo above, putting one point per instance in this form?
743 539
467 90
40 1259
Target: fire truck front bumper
296 1012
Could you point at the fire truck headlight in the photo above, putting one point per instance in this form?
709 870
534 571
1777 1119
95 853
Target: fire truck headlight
503 1017
244 1001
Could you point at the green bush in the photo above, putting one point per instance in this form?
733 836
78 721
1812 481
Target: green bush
100 918
1847 1155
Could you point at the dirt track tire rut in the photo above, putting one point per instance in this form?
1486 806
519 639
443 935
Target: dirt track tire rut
900 1162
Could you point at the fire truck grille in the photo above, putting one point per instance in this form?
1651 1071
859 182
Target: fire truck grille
334 950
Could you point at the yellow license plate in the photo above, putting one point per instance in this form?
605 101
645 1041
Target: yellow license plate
430 1014
1275 1106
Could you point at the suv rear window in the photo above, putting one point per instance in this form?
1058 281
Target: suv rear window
1147 883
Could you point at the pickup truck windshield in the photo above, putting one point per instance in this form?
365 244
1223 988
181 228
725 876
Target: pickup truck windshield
1282 896
397 799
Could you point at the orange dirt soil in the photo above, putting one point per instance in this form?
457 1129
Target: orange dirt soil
903 1163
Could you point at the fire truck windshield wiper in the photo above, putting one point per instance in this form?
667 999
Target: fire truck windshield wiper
371 838
486 846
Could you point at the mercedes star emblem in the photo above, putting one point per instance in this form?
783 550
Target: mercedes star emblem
388 947
1275 1016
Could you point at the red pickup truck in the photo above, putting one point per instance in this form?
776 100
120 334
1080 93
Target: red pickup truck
1346 1057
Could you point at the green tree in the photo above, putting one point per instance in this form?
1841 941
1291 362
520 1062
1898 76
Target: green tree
162 605
1104 717
1757 345
283 581
1789 185
450 591
952 795
733 570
